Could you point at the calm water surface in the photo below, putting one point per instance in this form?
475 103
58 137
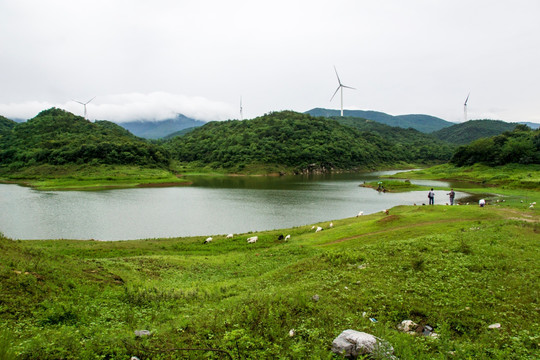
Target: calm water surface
209 206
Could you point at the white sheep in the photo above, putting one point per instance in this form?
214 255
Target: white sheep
208 239
230 236
287 237
318 229
331 225
313 227
360 214
252 239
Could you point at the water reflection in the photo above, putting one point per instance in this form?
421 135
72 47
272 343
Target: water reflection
211 206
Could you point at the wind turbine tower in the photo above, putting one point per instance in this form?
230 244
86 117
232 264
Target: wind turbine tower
465 107
84 104
340 87
241 114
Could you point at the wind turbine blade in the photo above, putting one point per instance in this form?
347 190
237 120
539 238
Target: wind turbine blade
348 87
78 102
338 79
467 99
90 100
339 87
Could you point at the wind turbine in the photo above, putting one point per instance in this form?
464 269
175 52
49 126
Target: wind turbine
241 114
84 104
465 106
340 87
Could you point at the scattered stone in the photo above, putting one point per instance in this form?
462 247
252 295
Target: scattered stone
363 266
292 332
134 358
494 326
315 297
351 343
408 326
141 333
427 330
364 314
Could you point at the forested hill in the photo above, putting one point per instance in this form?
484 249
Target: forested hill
56 136
6 124
520 146
160 129
467 132
420 122
417 145
289 139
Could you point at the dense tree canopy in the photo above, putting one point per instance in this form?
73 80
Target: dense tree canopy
291 139
469 131
521 146
412 145
58 137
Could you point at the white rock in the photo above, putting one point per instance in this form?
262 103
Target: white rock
291 332
351 343
494 326
407 326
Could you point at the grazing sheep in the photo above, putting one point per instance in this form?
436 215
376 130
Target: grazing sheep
230 236
360 214
207 240
331 225
313 227
531 207
280 237
252 239
287 237
318 229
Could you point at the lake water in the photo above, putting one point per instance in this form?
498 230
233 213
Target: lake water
210 206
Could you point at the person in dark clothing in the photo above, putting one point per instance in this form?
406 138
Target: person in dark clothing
431 197
452 195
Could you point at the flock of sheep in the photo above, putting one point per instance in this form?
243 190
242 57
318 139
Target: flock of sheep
253 239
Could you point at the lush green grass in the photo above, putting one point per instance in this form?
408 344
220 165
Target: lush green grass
457 268
97 176
511 176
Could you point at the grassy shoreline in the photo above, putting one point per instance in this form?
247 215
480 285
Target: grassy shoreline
456 268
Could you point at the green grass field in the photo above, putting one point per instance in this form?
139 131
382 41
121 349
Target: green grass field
458 269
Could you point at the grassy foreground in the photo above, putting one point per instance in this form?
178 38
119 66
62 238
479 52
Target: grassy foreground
458 269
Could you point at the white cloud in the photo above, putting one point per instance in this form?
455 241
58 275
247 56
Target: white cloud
133 106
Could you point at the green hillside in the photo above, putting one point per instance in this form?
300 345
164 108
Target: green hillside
58 137
520 146
6 124
471 130
411 143
293 140
420 122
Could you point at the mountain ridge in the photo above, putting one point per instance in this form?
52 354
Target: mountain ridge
420 122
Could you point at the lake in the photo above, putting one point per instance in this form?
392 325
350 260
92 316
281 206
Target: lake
211 206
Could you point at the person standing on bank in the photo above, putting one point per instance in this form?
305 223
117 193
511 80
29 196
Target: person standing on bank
452 196
431 197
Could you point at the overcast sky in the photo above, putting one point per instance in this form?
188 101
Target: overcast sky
152 59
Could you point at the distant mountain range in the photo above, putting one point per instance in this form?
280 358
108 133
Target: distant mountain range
420 122
150 129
